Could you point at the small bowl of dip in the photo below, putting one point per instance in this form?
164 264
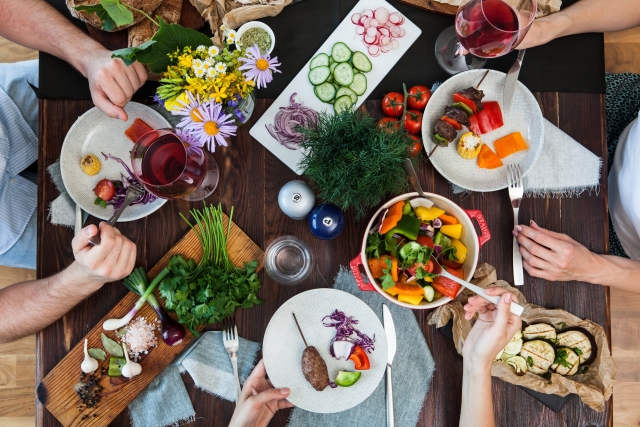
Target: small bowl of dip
256 32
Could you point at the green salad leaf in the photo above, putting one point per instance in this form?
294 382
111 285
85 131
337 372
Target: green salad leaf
387 279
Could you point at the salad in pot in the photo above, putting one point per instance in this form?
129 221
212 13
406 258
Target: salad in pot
400 244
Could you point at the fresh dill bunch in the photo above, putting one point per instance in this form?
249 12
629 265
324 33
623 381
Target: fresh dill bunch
352 161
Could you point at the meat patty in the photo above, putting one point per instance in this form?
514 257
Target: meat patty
445 130
314 368
475 95
458 115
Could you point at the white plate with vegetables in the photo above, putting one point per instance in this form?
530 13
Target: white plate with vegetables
94 133
340 75
283 349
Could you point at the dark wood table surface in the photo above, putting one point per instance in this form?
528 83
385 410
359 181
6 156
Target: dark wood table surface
251 178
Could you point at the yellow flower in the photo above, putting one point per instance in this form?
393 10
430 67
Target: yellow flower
218 93
172 104
184 61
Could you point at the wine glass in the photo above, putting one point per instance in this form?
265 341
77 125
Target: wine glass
483 29
171 169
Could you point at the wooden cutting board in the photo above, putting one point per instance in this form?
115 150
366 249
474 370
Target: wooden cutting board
56 391
432 6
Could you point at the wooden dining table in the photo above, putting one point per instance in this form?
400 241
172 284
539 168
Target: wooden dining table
250 180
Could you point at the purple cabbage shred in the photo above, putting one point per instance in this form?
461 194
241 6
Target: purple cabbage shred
121 187
345 329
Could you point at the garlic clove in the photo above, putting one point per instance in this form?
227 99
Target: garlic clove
89 364
130 369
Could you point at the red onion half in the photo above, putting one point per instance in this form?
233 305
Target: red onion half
286 120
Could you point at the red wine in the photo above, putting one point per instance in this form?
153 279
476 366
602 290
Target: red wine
487 28
168 170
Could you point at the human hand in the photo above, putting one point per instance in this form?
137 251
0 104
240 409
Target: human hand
493 330
554 256
259 401
111 260
112 83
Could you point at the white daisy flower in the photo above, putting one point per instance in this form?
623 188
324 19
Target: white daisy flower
221 67
232 34
214 51
211 73
196 63
199 72
201 48
230 40
223 27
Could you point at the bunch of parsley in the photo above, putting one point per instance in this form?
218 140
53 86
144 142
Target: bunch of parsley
205 293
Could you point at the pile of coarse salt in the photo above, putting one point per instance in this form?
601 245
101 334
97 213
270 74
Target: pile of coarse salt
140 337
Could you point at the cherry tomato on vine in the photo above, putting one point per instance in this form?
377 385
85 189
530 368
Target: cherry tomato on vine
413 121
392 104
388 124
416 145
418 97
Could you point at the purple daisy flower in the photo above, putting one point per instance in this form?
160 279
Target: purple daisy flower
214 127
259 68
189 110
158 100
190 142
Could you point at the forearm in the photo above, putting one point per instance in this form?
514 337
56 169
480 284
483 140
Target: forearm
28 307
616 272
36 24
477 400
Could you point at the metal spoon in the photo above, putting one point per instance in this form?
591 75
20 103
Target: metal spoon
132 194
516 308
413 177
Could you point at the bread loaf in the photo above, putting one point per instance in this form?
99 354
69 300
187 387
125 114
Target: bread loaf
147 6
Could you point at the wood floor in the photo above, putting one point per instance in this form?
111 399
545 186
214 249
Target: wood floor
17 360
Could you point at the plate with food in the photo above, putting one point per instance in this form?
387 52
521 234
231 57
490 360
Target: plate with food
400 239
341 359
340 75
95 161
475 139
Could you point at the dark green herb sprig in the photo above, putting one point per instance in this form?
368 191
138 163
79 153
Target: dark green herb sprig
353 163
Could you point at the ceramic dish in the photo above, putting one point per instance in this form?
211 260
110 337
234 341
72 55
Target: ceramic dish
525 117
257 24
95 133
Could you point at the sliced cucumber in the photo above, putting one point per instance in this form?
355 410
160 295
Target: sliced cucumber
429 293
335 86
359 85
319 75
340 52
343 74
321 60
408 248
346 91
343 103
325 92
333 66
330 79
331 61
361 62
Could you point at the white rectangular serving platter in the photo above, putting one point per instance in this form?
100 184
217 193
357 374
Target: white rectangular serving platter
346 33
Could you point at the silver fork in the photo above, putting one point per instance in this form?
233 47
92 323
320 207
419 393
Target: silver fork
231 344
516 191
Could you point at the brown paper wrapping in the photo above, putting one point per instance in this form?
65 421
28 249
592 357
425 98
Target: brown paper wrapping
594 388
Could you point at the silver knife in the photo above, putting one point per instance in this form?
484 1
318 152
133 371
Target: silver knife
510 83
390 332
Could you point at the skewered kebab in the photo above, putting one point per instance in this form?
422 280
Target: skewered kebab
314 368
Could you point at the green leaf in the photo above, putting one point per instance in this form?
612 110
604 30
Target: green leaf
111 346
120 14
387 280
562 325
97 353
128 54
585 370
100 202
105 20
578 351
169 39
529 360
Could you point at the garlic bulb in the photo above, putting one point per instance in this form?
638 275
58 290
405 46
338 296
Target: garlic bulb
89 364
130 369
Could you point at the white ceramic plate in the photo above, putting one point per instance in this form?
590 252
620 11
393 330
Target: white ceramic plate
283 347
525 117
346 33
93 133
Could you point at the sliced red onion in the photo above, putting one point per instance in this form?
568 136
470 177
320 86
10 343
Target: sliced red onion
381 218
286 121
436 223
342 349
420 201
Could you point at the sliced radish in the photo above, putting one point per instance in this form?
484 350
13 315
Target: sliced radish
362 19
372 31
382 15
359 30
395 31
374 50
395 18
374 22
402 32
385 48
384 31
355 18
367 22
368 13
369 39
395 44
384 40
401 20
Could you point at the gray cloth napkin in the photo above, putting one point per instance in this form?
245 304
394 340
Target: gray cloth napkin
413 367
565 167
207 362
62 211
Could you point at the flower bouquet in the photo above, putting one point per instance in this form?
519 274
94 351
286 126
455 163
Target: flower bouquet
211 86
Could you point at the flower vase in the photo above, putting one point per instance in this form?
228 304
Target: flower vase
244 109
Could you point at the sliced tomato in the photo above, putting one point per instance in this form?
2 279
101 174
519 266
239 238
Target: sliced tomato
360 359
416 146
414 268
418 97
393 104
446 287
425 241
105 190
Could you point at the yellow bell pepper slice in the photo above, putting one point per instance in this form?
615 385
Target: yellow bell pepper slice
392 291
411 299
428 214
454 231
461 250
